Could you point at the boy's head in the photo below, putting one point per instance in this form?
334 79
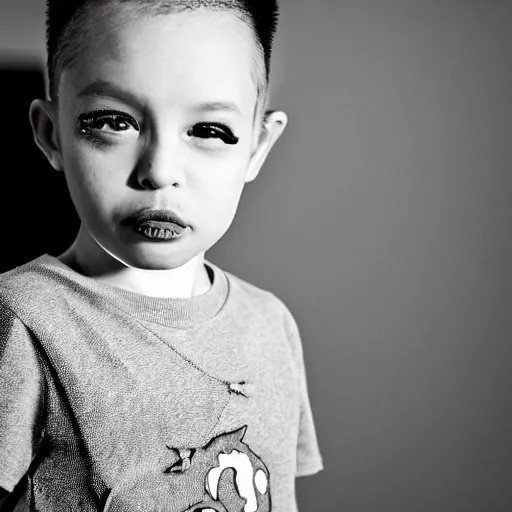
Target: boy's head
156 108
69 23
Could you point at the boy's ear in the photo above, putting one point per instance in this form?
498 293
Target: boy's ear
273 126
43 118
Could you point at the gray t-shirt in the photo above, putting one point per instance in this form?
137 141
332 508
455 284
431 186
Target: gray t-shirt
115 401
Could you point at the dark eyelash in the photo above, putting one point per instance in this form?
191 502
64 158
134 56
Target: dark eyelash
86 120
224 132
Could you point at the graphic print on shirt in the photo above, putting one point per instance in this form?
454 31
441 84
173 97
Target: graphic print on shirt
225 475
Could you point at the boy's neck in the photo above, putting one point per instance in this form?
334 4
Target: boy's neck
189 280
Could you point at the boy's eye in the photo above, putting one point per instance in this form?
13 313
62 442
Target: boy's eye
107 121
213 131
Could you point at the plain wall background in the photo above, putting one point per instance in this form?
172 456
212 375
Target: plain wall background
382 218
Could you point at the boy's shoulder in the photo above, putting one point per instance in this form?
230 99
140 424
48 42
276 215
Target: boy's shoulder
25 282
26 274
251 292
253 298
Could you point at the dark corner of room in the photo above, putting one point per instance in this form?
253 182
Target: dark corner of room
36 211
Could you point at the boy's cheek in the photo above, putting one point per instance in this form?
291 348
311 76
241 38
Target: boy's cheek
90 164
93 189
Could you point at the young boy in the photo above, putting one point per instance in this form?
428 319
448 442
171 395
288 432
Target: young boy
134 374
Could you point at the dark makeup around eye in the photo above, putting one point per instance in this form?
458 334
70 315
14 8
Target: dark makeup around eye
219 130
87 120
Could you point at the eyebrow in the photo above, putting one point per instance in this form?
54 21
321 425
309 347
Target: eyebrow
104 89
218 106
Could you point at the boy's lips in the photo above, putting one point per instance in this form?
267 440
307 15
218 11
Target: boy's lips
148 215
158 225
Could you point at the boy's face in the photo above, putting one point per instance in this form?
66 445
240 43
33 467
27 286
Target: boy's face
157 114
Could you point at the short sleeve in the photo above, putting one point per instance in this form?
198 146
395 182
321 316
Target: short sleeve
309 458
21 399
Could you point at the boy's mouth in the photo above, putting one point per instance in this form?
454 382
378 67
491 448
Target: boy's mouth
158 225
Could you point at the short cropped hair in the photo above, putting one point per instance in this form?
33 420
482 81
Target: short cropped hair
66 27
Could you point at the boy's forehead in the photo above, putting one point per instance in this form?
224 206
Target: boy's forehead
123 31
206 53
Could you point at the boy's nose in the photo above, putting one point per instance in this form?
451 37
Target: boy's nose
161 167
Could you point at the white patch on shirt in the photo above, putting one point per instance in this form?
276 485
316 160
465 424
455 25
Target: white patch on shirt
243 475
261 481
